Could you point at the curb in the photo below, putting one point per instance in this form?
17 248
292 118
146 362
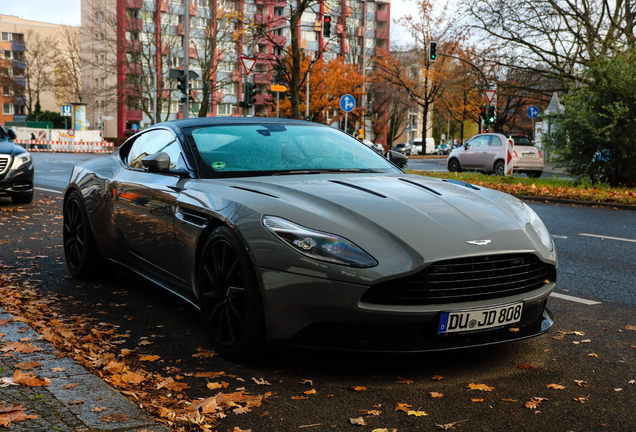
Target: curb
65 409
575 202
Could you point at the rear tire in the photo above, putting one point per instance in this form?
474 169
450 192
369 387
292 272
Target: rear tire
80 250
500 168
453 165
26 198
535 174
229 297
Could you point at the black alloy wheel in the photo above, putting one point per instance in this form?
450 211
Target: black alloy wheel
453 165
500 168
229 296
79 246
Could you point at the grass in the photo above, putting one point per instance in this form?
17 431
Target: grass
577 190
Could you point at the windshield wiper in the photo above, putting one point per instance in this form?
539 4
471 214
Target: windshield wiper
354 170
294 172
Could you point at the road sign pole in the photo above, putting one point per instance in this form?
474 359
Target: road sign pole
346 116
277 102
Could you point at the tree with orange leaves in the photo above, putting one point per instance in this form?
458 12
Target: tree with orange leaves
328 81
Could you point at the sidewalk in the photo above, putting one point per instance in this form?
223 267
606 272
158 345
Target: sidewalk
73 400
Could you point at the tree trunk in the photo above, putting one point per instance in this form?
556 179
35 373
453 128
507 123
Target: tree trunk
295 66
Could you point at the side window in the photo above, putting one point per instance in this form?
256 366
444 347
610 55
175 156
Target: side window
495 141
153 142
480 141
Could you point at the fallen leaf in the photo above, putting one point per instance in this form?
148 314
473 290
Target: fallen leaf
631 382
581 383
371 412
58 369
299 397
592 355
417 413
28 365
449 426
29 379
204 353
358 388
510 400
307 381
404 380
114 418
582 399
99 409
149 358
618 389
524 366
555 386
437 377
358 421
402 407
534 402
214 385
436 395
477 400
261 381
310 392
630 327
481 387
513 329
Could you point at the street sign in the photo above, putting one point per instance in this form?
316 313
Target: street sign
278 88
533 112
347 103
248 64
135 126
490 95
71 132
67 111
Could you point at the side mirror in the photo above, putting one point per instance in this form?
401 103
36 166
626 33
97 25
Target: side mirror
157 162
397 158
12 134
466 145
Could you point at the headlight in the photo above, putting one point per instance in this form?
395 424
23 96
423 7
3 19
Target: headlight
539 227
318 245
21 160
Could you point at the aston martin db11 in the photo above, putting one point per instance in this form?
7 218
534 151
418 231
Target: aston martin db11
289 232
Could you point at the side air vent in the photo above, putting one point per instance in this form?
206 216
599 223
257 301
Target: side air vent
360 188
419 185
192 217
254 191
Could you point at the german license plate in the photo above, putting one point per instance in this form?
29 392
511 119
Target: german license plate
527 154
479 319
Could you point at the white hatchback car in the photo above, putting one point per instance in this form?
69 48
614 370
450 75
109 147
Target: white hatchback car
487 152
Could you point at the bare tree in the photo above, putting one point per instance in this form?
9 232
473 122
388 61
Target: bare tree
39 73
68 67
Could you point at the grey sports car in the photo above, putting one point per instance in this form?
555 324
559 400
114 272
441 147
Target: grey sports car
290 232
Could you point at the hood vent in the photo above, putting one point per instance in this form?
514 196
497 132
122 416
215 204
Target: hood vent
419 185
461 183
254 191
358 188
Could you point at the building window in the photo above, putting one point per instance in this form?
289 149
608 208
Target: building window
7 109
6 36
6 54
229 88
19 109
7 91
225 109
132 36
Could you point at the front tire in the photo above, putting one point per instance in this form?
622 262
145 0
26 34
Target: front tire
535 174
500 168
80 250
229 297
453 165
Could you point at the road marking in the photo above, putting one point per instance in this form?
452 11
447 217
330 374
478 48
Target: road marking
607 237
556 236
58 170
574 299
49 190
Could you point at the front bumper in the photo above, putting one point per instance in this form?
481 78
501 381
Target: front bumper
16 182
313 312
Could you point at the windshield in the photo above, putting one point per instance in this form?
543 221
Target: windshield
522 140
270 148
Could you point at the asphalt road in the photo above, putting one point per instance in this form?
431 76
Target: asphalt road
597 299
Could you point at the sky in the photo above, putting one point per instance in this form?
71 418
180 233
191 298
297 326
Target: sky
68 12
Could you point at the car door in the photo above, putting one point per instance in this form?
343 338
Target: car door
495 150
144 205
474 156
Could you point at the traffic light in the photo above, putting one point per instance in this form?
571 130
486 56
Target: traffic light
482 113
326 25
183 84
251 92
491 114
432 51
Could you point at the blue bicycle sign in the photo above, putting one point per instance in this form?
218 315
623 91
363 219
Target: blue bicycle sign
347 103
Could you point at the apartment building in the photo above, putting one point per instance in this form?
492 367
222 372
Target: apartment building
14 41
130 45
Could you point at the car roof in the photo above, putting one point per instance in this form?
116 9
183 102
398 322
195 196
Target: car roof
176 125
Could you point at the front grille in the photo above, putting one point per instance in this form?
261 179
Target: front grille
4 164
464 280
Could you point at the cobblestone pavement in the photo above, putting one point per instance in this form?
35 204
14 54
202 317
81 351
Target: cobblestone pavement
55 407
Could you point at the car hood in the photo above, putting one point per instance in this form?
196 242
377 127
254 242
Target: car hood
7 147
392 215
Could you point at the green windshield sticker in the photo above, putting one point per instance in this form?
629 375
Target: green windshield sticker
218 165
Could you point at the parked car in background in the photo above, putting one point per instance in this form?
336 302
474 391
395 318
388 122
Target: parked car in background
379 148
443 149
404 148
271 227
16 169
487 152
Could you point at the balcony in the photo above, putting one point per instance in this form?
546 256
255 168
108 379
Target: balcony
263 99
163 6
360 31
382 15
236 76
17 46
20 64
134 115
261 18
193 52
279 40
262 58
193 10
280 4
132 92
340 29
134 4
133 46
261 78
180 29
381 33
133 23
133 68
278 20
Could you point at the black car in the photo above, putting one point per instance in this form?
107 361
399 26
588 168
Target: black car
16 169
